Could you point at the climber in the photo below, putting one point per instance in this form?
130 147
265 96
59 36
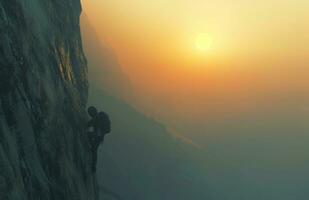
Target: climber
98 126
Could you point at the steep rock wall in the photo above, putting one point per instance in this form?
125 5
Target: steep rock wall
43 92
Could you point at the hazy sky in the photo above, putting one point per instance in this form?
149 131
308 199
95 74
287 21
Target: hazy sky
257 54
242 91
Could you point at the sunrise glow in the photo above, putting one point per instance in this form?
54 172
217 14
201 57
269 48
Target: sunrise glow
205 56
203 42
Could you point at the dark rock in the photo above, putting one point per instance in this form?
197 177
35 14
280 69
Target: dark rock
43 93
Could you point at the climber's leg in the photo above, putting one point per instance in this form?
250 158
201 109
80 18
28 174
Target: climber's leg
95 148
94 157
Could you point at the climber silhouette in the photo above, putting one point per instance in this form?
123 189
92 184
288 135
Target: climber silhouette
98 126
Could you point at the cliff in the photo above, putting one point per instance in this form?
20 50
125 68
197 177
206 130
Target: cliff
43 93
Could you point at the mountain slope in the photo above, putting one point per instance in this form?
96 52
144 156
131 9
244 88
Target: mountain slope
105 68
140 159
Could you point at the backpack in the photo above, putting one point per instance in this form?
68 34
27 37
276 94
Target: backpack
104 122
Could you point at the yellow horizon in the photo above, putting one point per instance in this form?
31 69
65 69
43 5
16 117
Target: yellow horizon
155 43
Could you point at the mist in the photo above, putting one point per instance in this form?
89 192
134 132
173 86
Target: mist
248 125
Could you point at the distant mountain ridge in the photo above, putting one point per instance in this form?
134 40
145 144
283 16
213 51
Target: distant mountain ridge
140 159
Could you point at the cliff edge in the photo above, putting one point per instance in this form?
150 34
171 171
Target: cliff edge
43 94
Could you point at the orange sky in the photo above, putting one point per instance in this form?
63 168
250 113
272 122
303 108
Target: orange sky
258 58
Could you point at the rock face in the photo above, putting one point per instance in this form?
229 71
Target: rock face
43 93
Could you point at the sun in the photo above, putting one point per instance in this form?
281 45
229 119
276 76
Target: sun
203 42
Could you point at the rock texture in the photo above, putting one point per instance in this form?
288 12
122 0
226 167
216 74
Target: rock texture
43 93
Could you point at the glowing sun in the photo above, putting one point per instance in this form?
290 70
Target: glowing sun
203 42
